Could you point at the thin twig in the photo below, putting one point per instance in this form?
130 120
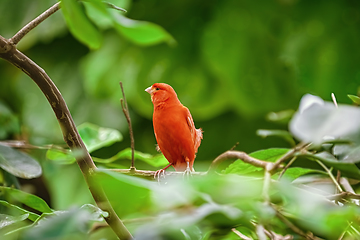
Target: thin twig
236 155
25 145
31 25
242 236
110 5
347 186
293 227
233 147
128 119
288 155
330 175
286 167
343 195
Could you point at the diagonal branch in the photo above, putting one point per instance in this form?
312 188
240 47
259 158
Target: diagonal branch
31 25
71 136
236 155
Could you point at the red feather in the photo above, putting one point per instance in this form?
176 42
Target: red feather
174 127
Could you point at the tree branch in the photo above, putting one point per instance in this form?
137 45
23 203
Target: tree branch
71 136
236 155
150 174
288 155
31 25
294 228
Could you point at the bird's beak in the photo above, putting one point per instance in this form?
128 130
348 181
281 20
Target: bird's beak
149 90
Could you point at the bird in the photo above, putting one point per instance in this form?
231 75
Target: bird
174 129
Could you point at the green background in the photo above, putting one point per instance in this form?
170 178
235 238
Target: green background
231 64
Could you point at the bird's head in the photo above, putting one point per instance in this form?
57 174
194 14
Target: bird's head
161 93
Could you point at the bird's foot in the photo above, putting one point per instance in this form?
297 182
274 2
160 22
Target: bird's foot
161 172
187 173
158 174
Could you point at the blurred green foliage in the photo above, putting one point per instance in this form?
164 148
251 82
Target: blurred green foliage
231 63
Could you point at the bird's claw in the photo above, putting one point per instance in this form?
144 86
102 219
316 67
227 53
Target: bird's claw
158 174
187 173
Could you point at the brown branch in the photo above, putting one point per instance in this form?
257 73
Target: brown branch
236 155
242 236
128 119
343 195
31 25
288 155
309 236
286 167
71 136
150 174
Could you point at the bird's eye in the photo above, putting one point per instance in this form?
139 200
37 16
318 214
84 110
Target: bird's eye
157 89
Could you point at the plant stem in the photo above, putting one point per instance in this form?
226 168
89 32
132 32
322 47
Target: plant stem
31 25
330 175
128 119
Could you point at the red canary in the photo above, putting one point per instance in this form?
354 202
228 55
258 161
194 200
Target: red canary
174 128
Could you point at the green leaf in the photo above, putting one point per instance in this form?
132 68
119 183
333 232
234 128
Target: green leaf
79 24
18 210
28 199
64 156
270 155
155 161
347 169
141 32
277 133
295 172
18 163
96 137
8 121
168 225
318 121
96 213
72 224
348 151
127 194
355 99
6 220
98 13
313 211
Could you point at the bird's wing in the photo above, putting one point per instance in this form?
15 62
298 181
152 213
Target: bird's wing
195 133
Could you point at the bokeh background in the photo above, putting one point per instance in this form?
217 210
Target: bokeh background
232 63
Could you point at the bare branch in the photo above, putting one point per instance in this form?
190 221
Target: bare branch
288 155
31 25
150 174
343 195
330 175
128 119
242 236
71 136
235 145
294 228
286 167
236 155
